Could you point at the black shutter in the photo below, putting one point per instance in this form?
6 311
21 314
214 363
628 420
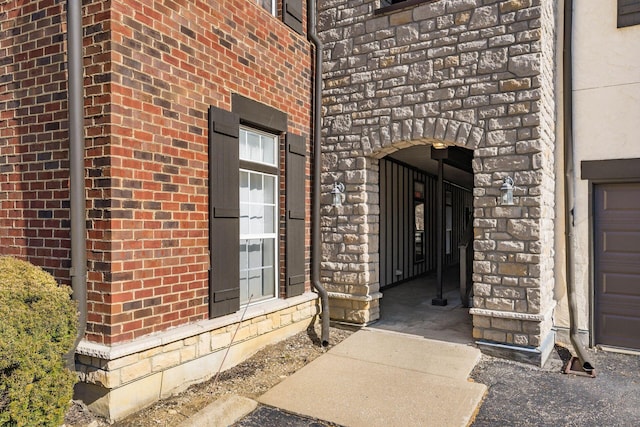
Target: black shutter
292 14
628 13
224 213
295 185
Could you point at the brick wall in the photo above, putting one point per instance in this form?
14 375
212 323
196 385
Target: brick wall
151 71
34 216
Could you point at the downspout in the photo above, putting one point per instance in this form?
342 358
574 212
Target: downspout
569 188
78 271
317 169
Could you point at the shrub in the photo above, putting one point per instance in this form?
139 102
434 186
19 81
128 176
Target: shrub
37 327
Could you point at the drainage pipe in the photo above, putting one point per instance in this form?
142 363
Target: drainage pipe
569 188
317 169
75 86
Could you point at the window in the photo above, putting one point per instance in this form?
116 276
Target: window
269 5
246 226
258 215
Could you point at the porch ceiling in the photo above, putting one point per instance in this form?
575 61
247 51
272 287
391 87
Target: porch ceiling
419 156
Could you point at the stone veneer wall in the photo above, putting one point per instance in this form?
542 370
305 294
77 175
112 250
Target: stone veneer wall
472 73
119 380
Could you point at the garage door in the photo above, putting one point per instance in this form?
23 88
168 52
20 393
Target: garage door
617 264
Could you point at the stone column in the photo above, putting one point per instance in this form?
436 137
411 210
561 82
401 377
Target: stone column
350 238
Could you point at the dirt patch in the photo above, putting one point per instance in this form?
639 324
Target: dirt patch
251 378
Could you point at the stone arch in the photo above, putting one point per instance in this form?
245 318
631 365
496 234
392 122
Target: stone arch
385 140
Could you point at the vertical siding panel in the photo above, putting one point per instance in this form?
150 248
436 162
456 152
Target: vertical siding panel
412 224
400 213
394 223
383 218
389 223
408 223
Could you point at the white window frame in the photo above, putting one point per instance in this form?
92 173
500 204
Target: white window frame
276 206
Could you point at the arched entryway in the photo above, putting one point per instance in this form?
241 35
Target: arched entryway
426 211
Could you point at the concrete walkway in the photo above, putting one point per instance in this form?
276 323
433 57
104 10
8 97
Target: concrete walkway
380 378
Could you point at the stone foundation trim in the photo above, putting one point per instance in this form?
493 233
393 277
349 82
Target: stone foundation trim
362 298
513 315
531 355
105 352
135 375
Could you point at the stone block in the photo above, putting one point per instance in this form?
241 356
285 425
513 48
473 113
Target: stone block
513 269
511 325
220 340
507 292
482 289
521 339
514 5
136 371
483 17
523 229
101 377
122 361
491 335
525 65
481 322
165 360
502 304
478 333
510 246
494 61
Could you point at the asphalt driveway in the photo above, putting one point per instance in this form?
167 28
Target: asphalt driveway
520 395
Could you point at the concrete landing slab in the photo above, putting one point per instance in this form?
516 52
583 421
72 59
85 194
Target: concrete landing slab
410 352
379 379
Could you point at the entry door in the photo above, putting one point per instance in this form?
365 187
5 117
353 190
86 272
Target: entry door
617 264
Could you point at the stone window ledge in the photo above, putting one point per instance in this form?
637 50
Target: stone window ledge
106 352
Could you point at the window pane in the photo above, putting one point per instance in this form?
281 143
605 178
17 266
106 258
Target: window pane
243 255
269 219
269 149
255 284
244 186
244 286
257 195
269 189
267 4
243 144
269 252
255 254
256 219
253 147
268 285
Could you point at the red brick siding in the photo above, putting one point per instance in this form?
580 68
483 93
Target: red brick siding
151 71
33 126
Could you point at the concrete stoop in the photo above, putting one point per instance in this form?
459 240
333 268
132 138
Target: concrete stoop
379 378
